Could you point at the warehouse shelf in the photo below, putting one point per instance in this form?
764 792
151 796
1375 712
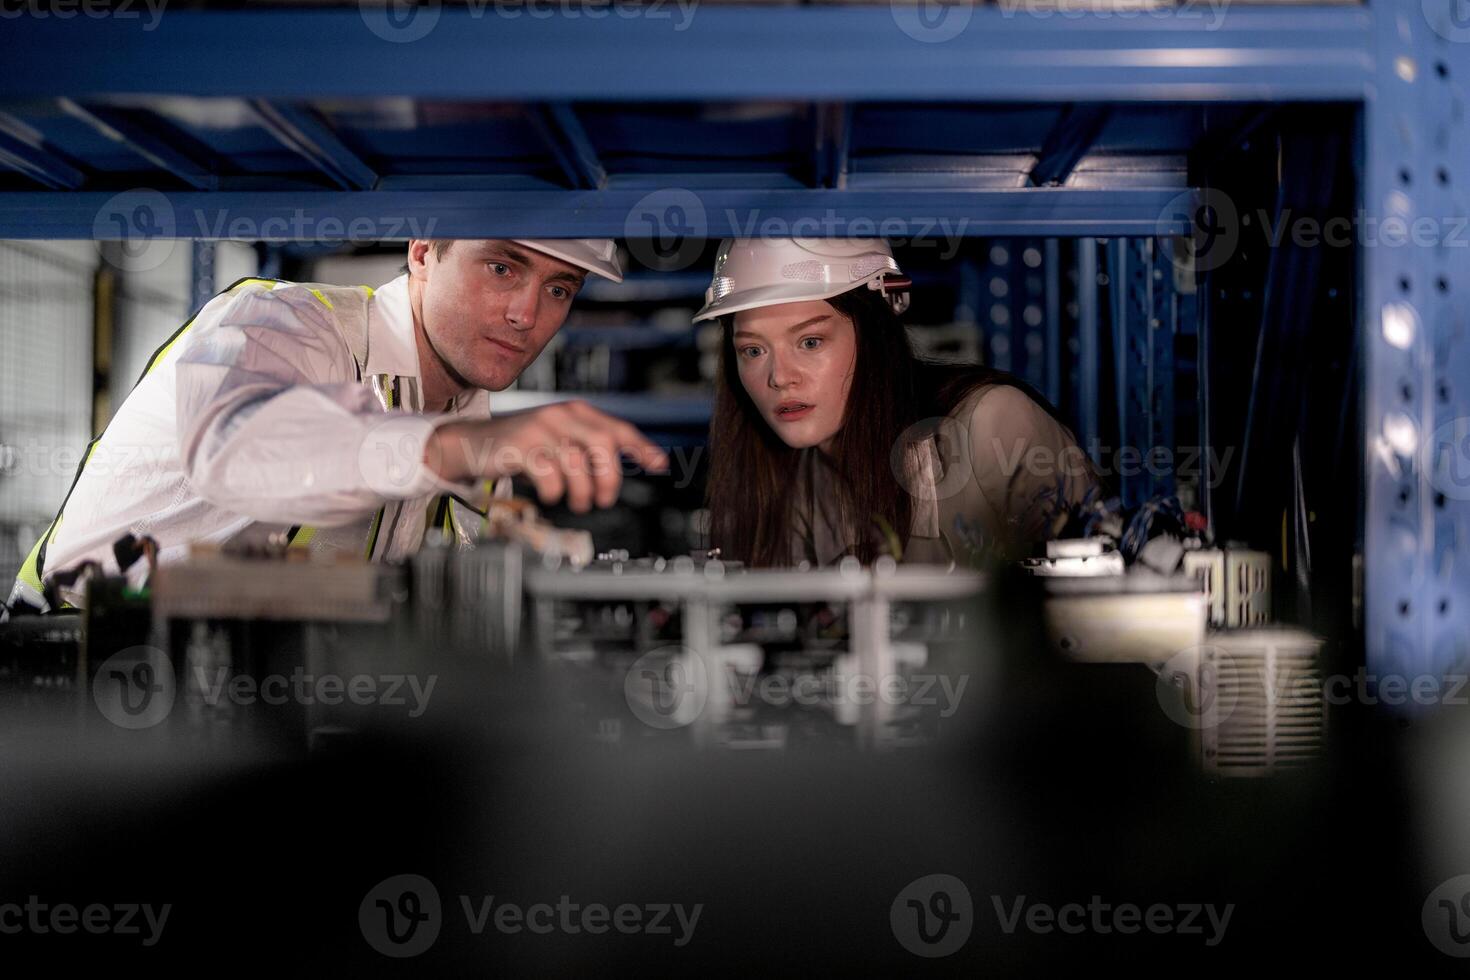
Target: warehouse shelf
333 124
747 118
826 52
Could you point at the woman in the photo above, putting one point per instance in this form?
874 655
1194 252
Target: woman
831 438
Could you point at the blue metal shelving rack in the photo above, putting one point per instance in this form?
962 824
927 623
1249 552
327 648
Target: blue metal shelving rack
322 123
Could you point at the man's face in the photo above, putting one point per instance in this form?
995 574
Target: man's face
490 305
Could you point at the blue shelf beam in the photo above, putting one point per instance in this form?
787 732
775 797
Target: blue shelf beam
833 136
23 149
129 130
395 215
569 144
835 53
1073 135
304 132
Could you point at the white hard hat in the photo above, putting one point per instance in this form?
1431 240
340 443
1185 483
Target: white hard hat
599 255
753 272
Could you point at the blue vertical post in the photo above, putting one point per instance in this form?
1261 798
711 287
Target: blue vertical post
1187 341
1087 348
1416 373
1163 324
1028 287
992 312
1052 306
1133 298
1118 294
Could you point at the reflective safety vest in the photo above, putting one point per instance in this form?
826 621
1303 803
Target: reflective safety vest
349 307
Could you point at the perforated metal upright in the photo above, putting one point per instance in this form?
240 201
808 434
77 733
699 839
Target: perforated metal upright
1415 306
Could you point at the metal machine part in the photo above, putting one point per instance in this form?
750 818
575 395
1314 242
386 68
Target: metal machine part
691 646
690 641
1261 699
469 599
1137 618
212 584
40 659
1077 557
1252 698
512 519
1238 582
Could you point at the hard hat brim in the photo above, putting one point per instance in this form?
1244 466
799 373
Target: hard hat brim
608 270
795 292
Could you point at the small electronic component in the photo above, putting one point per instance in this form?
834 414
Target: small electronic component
513 519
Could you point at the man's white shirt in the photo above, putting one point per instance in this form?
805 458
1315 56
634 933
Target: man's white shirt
254 422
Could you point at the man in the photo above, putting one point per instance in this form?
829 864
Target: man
337 417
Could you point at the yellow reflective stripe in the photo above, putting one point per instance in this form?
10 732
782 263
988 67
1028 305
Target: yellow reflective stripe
373 537
387 388
28 571
162 352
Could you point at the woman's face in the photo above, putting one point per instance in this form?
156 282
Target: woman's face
796 362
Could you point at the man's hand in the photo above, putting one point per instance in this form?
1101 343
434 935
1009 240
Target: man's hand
568 448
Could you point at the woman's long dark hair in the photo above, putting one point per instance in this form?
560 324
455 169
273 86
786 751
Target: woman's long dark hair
753 474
